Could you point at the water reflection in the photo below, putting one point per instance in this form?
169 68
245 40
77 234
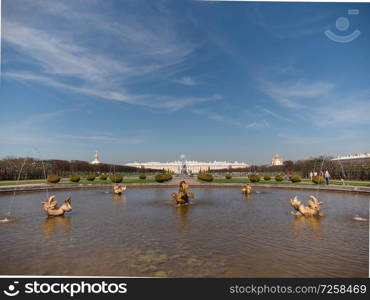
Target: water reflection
247 196
119 199
182 217
52 224
313 224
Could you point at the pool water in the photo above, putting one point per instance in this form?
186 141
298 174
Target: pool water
222 234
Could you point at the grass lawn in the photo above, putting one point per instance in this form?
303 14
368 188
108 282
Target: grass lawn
14 182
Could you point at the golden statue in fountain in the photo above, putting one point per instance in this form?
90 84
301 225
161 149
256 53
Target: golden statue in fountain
247 189
52 209
311 210
183 196
119 189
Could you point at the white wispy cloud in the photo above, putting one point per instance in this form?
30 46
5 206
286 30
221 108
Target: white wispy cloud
258 124
187 80
104 138
275 115
295 95
216 117
346 113
240 122
308 140
74 61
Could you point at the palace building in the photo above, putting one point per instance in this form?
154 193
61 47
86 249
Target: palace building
188 166
276 160
95 160
353 156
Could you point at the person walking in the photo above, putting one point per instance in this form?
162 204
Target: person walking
311 175
327 177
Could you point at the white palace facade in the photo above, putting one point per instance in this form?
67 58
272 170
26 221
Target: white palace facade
353 156
192 166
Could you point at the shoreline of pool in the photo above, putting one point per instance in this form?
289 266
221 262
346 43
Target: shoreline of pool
43 186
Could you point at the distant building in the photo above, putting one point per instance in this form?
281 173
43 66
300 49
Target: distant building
95 160
353 156
188 166
276 160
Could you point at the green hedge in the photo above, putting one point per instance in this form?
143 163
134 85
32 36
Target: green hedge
90 177
254 178
228 176
74 178
103 177
116 178
53 178
318 179
267 177
163 177
205 177
295 178
279 177
142 176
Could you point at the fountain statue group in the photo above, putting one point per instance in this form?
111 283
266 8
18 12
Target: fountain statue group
183 196
312 209
247 189
118 189
51 206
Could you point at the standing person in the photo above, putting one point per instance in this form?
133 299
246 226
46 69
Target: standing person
327 177
342 176
315 173
311 175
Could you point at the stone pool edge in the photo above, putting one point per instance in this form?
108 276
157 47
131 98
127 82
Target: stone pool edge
40 187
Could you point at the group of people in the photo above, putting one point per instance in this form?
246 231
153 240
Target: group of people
326 175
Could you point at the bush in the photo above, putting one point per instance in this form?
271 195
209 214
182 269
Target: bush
205 177
295 178
116 178
228 176
103 177
142 176
163 177
90 177
279 177
318 180
254 178
74 178
53 178
266 177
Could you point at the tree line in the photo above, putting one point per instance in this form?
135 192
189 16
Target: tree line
30 168
351 169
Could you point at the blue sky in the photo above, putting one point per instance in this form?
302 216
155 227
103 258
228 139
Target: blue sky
150 80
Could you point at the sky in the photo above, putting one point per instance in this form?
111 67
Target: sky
151 80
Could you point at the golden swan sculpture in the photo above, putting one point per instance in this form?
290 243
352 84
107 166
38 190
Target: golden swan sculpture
247 189
183 196
118 189
52 209
312 209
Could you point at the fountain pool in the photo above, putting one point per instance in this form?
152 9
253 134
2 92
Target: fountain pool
223 234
